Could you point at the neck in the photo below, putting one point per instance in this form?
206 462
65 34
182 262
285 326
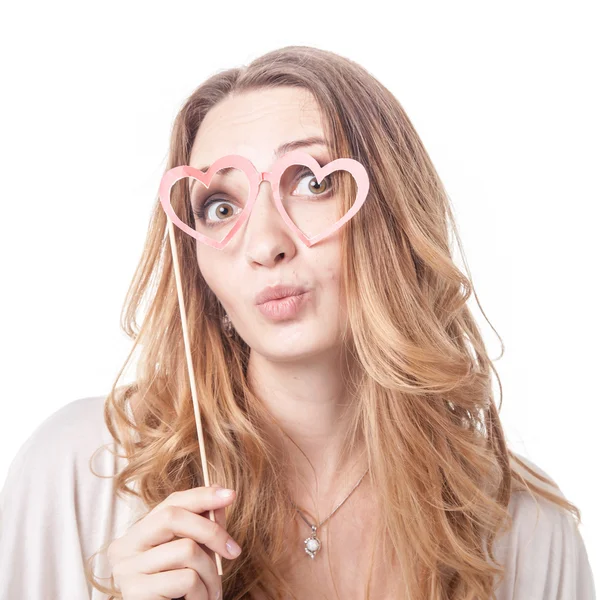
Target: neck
311 405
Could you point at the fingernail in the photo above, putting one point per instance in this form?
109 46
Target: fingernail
218 595
233 548
224 493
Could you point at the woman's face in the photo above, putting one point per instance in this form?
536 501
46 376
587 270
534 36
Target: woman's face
264 251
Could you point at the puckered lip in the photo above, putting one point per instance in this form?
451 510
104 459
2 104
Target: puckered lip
278 291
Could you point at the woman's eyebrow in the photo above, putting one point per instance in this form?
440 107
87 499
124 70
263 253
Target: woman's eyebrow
309 141
285 148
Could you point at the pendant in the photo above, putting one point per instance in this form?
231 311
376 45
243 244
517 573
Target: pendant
312 544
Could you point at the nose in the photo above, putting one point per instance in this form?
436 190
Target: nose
269 210
265 176
266 190
267 233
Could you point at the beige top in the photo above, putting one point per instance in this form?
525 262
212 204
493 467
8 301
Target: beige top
54 512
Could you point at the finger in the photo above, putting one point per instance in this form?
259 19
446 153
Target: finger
173 521
182 583
197 500
143 535
219 512
176 555
220 518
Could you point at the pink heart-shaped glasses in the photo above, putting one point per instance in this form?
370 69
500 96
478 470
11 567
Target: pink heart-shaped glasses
296 157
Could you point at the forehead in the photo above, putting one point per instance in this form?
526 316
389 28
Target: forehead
257 125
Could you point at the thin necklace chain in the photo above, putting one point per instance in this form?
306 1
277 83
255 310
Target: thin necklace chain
331 515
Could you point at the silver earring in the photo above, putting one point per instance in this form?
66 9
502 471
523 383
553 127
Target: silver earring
227 325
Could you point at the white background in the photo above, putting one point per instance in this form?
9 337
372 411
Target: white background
504 95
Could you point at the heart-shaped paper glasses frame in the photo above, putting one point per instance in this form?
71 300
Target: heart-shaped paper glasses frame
296 157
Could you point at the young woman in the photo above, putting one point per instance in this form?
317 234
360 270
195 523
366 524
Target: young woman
353 421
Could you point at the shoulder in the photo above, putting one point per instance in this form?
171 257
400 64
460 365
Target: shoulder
57 504
543 552
68 458
61 448
534 517
70 454
73 430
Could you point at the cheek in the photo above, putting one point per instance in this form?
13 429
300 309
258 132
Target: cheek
328 270
332 262
332 277
212 268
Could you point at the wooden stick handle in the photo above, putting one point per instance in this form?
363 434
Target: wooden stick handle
188 356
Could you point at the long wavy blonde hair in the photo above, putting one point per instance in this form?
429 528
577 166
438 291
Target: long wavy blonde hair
435 445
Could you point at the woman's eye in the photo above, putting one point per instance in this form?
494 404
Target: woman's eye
312 187
223 211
